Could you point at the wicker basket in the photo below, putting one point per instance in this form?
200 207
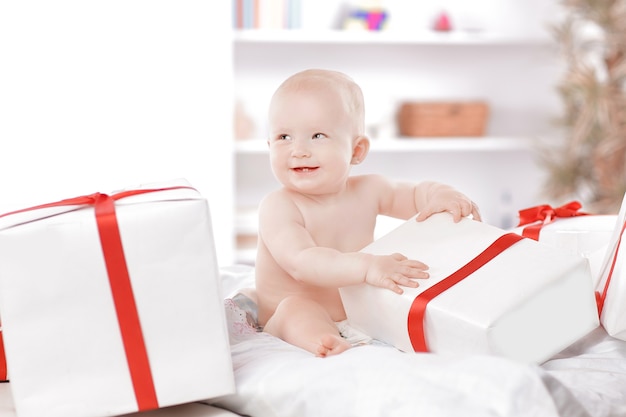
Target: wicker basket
438 119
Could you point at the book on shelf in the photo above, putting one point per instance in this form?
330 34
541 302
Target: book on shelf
266 14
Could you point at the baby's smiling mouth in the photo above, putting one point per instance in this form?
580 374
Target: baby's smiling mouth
304 169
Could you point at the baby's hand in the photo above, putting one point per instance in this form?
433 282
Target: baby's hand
447 199
391 271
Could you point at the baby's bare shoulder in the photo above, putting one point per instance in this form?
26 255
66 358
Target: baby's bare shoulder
278 206
370 183
276 198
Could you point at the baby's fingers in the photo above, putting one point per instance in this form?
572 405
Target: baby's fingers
390 284
407 282
394 281
466 208
476 212
423 215
415 269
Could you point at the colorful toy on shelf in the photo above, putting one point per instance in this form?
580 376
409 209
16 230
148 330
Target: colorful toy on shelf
366 18
442 23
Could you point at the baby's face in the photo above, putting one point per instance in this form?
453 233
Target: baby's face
310 139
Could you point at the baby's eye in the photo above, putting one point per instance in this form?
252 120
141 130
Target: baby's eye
283 137
319 136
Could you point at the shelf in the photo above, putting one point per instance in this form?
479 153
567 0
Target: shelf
348 37
483 144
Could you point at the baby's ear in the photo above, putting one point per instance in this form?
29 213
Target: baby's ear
360 149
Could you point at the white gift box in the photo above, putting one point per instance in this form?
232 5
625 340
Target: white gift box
587 235
81 339
611 286
526 302
584 234
7 408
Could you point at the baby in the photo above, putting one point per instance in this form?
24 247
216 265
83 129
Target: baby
311 229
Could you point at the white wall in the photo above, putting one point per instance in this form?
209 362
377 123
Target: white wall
102 95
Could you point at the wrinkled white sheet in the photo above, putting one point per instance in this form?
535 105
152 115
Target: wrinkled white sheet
275 379
594 371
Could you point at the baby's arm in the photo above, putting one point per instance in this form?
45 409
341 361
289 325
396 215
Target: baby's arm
432 197
281 228
404 200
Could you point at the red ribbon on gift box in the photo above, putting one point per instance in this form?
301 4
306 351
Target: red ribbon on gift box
546 214
3 360
121 288
416 323
601 296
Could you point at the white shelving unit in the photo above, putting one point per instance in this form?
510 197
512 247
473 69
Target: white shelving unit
334 37
516 74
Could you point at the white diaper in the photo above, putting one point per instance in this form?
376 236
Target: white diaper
352 335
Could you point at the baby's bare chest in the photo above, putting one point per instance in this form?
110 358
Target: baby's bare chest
345 230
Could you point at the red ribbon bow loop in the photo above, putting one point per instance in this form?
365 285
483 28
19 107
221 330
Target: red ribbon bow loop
546 214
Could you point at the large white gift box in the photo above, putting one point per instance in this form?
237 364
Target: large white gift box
489 292
611 285
112 304
568 228
196 409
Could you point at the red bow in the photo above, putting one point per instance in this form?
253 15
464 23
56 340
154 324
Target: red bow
546 214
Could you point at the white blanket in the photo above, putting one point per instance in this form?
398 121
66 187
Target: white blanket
274 378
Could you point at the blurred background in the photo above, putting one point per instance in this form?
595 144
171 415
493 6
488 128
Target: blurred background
476 81
514 102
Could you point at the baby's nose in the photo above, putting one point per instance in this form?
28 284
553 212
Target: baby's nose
301 149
